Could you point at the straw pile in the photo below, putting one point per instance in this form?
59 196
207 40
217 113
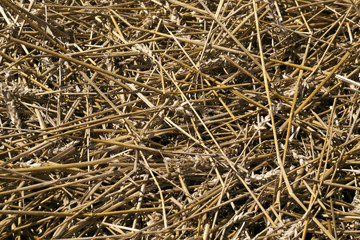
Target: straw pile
179 120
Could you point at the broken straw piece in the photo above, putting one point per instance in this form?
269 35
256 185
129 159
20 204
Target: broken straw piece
347 80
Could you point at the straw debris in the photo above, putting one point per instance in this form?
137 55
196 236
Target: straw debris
179 119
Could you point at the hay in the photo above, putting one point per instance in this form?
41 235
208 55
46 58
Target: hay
179 120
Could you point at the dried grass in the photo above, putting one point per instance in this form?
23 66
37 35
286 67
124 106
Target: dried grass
179 119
